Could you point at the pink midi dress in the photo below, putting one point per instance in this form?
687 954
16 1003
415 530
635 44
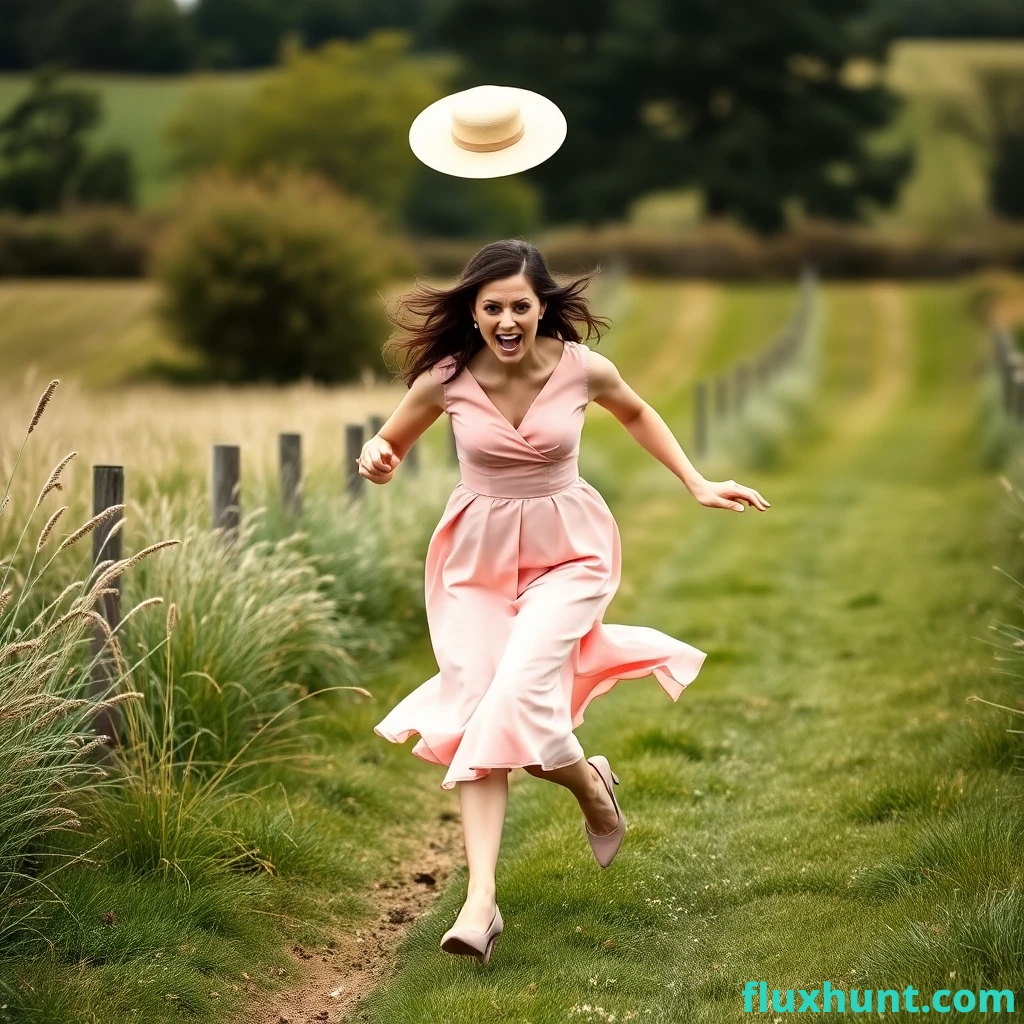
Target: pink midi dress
519 571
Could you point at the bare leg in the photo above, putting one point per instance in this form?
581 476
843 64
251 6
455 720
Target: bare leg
582 780
483 803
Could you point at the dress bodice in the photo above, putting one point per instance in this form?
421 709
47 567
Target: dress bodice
540 456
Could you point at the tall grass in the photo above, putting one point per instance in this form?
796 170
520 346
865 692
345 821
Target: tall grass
48 702
210 695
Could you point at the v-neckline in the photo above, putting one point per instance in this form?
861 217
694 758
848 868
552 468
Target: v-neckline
536 399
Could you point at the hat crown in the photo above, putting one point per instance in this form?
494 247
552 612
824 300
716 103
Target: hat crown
486 117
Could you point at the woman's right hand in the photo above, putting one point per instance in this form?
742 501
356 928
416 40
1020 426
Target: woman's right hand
378 460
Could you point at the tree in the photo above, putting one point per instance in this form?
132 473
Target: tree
956 19
746 100
343 112
44 162
135 35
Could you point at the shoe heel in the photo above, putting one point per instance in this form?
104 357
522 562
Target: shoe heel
615 778
490 948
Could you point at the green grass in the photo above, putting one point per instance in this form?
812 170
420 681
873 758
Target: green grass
818 800
822 803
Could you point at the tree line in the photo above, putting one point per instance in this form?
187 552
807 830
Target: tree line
167 36
749 104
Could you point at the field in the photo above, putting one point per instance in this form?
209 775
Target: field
824 802
946 191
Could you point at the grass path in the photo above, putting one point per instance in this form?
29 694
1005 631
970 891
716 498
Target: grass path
768 807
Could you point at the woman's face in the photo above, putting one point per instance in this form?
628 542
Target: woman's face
508 309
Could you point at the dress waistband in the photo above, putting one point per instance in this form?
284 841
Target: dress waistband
528 480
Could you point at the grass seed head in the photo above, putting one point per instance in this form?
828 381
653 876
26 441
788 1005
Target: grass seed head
98 519
50 523
52 482
44 401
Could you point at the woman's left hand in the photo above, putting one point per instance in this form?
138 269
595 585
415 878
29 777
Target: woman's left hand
723 494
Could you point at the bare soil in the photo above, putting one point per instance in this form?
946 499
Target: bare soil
337 975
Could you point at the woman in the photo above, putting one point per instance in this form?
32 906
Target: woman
526 556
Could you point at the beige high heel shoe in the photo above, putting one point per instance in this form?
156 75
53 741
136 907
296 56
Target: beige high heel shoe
471 941
606 846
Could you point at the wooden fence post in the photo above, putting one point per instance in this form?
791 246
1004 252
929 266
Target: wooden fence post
721 396
700 413
1008 359
412 459
290 453
740 386
1018 393
227 502
107 490
353 450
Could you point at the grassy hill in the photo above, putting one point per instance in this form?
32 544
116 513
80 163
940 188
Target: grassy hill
947 189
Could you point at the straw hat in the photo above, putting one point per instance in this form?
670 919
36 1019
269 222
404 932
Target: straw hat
487 131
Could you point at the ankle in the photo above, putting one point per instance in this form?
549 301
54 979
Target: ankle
480 891
598 793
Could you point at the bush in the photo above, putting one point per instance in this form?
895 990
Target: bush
84 242
278 281
726 252
447 207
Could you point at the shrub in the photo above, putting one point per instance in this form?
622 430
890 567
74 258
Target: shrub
83 242
277 280
447 207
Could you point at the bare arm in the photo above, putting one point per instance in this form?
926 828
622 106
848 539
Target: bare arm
611 392
422 404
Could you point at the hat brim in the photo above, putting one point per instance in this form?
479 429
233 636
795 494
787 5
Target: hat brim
430 138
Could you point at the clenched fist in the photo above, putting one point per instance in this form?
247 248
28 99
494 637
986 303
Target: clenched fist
378 461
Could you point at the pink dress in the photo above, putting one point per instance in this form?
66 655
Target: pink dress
519 571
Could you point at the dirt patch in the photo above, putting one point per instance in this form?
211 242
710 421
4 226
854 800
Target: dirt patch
336 976
679 355
892 359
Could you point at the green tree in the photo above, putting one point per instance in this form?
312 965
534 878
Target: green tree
746 100
44 161
136 35
956 19
442 205
342 112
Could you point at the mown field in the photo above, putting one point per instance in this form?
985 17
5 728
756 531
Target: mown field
824 802
947 189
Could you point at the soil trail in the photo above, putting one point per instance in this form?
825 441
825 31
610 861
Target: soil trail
340 973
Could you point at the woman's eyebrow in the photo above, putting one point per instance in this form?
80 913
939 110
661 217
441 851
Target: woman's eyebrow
498 301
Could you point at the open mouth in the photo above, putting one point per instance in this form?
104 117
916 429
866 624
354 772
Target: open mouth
509 342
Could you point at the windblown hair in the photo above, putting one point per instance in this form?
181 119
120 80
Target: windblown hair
433 322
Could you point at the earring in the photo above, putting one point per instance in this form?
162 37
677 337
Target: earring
476 325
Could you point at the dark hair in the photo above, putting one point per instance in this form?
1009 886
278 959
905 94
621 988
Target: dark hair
436 322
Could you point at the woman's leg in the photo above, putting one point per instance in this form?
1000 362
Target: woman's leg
483 803
582 780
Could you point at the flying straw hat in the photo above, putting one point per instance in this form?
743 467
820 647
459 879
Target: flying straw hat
487 131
